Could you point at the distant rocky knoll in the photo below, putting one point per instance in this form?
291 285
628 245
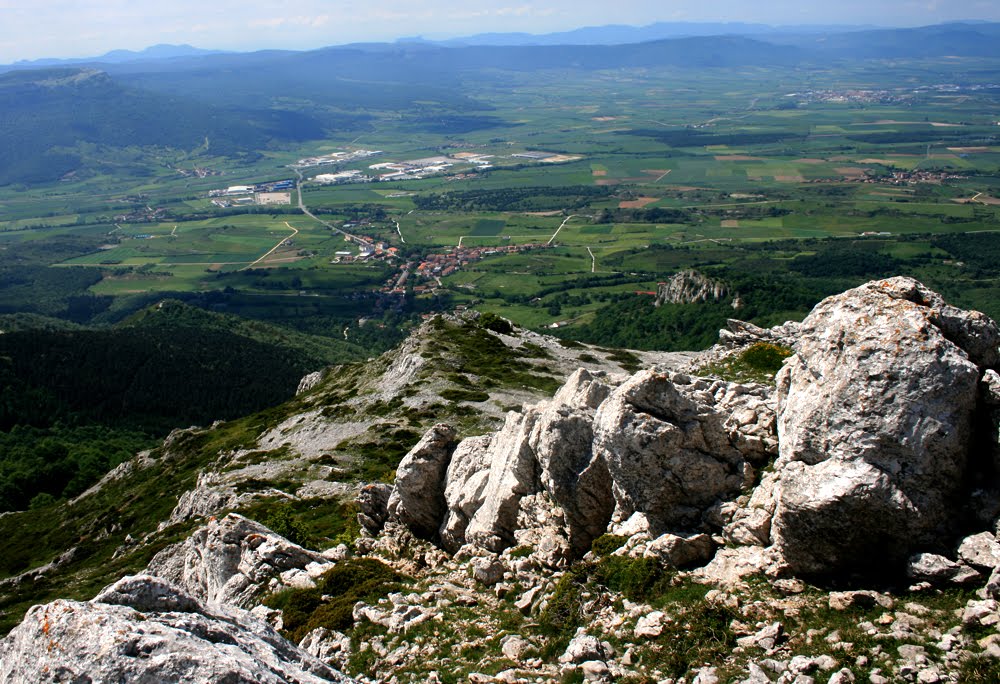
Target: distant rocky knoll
687 287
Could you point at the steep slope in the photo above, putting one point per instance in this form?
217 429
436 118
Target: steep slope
348 425
75 402
660 526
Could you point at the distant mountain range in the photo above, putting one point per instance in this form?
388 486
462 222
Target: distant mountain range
617 34
235 104
154 52
971 38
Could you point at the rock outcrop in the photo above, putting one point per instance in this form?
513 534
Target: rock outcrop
669 449
858 460
659 449
229 560
417 499
875 416
688 287
143 629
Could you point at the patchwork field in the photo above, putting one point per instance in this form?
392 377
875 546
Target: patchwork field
704 169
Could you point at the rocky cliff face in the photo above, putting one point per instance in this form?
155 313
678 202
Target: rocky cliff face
688 287
568 541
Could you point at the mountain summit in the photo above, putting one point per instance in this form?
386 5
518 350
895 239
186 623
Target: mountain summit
835 521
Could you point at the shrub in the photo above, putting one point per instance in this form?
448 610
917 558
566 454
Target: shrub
331 603
758 363
464 395
281 521
564 611
701 635
638 579
491 321
607 543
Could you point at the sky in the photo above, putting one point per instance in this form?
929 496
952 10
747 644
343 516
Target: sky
71 28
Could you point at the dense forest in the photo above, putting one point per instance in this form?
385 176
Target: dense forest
48 114
74 402
513 199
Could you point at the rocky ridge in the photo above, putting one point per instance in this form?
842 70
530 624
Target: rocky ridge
451 369
837 526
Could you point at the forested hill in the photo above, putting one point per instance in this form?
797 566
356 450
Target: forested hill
169 366
76 402
48 114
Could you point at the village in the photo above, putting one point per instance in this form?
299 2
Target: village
423 275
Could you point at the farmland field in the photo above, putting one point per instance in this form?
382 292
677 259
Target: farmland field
743 175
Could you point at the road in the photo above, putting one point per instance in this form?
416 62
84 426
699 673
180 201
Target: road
399 232
555 234
295 231
353 238
593 261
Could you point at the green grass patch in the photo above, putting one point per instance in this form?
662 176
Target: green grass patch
331 603
758 363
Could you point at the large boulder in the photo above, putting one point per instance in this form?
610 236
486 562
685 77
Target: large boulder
417 498
143 629
513 474
562 441
229 560
875 414
673 447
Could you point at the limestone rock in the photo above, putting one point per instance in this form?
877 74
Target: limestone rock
398 618
516 647
980 551
751 524
547 450
738 334
861 598
596 671
542 527
373 506
582 648
417 498
874 418
667 449
562 441
730 565
329 646
309 381
934 568
651 625
148 594
679 551
513 473
466 478
150 631
487 569
766 638
229 560
688 287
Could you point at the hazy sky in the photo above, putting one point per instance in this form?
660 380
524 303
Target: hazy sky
70 28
